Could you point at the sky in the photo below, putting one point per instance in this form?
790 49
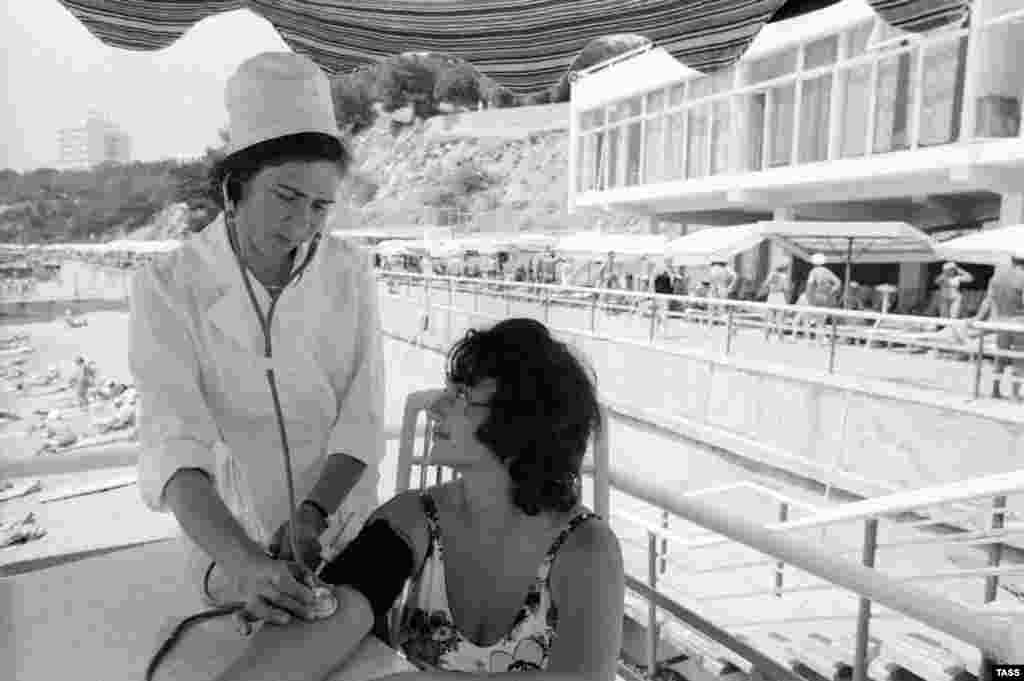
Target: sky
171 102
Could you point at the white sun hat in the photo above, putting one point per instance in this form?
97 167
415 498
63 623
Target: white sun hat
276 94
818 259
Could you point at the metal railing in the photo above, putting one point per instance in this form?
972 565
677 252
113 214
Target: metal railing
956 356
999 641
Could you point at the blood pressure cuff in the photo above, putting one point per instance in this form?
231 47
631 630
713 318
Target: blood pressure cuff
376 564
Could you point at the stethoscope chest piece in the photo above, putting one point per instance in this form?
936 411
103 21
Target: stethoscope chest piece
325 603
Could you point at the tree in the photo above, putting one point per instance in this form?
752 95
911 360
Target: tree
459 85
353 103
502 98
409 80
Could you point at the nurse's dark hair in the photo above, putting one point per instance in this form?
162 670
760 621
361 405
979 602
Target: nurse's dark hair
543 413
244 165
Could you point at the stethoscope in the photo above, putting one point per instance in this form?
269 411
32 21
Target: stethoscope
325 602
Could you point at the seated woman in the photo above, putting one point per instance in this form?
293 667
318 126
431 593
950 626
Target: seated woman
507 570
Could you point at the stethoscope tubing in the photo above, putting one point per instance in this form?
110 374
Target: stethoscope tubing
243 620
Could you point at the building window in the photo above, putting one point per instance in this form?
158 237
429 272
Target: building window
856 83
999 81
633 141
815 102
780 127
893 95
655 148
675 147
721 129
942 90
697 141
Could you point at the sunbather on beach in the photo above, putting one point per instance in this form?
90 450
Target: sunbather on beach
514 420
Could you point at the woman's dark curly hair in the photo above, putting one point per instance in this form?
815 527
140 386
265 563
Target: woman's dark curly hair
245 164
542 414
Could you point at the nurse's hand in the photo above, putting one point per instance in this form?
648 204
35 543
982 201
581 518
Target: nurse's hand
272 590
308 528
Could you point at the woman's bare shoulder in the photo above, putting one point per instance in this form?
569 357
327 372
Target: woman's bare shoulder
589 540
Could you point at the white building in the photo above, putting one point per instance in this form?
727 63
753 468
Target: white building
95 141
831 116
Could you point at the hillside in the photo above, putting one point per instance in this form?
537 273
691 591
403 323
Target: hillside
511 179
493 171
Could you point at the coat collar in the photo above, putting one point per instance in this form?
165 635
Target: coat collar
230 309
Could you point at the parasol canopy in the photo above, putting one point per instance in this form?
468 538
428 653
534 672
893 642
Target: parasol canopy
524 46
715 243
852 242
988 247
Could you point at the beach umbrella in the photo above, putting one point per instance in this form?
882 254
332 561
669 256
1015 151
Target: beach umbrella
852 242
524 46
714 243
988 246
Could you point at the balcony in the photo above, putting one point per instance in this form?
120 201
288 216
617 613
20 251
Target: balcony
843 99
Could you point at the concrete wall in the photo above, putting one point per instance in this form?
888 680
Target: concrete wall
511 123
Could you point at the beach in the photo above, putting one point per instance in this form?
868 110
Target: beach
104 340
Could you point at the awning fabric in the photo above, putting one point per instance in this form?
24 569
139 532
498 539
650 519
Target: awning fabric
990 246
525 45
873 242
713 243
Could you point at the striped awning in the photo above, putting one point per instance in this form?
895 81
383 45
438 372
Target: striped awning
525 45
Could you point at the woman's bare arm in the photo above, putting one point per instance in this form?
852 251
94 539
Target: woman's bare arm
207 521
305 651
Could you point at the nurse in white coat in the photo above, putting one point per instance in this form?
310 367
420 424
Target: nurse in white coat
211 448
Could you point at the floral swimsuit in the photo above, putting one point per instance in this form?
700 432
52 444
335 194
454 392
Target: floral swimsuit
429 638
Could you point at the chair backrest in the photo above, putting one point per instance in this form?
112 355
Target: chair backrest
417 403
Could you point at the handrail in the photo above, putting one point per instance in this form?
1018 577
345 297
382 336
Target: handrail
976 488
870 327
1002 641
717 302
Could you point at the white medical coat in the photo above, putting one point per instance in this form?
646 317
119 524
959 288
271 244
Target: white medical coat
197 354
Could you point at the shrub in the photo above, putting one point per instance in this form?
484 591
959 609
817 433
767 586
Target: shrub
408 80
353 102
459 85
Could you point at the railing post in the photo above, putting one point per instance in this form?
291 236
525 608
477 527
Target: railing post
654 318
979 360
860 655
451 304
783 517
426 303
995 557
508 302
652 609
476 298
728 330
547 305
664 543
593 313
832 347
